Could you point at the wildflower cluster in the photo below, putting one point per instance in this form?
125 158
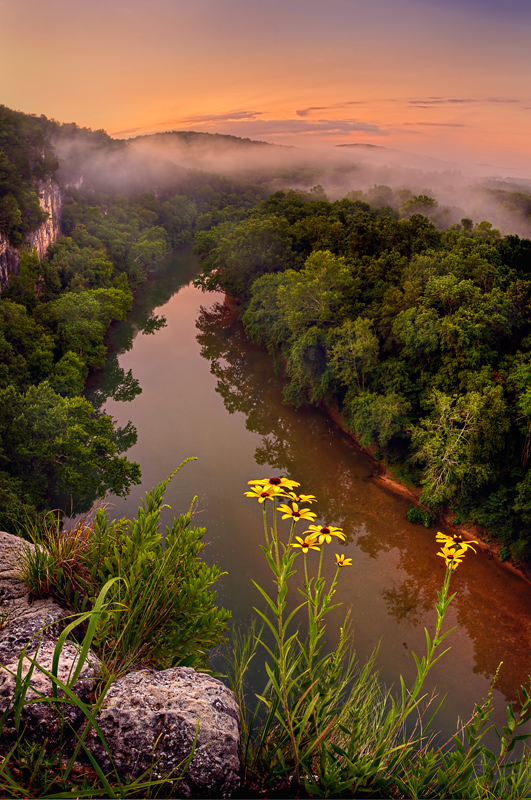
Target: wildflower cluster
453 548
323 727
277 487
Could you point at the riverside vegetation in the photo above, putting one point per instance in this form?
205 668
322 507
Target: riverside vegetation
420 337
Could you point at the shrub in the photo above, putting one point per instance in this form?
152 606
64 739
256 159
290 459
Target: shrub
161 611
505 553
420 516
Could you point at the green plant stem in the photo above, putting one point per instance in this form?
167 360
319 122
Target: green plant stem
275 531
292 531
265 523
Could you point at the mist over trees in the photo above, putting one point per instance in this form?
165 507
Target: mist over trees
408 312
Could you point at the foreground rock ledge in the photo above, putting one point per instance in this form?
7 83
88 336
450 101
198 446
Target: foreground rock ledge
149 718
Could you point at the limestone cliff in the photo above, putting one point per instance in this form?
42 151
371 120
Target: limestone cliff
9 261
51 198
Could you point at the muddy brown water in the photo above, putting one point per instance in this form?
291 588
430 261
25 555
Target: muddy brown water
207 392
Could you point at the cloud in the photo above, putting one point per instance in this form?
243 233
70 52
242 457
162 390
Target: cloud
229 116
282 127
436 101
303 112
427 102
127 131
438 124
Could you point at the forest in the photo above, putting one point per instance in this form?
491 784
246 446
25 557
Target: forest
417 329
419 335
56 449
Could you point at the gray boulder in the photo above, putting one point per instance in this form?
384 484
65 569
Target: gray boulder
150 719
33 626
40 718
21 618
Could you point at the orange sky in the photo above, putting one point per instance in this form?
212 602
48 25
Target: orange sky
448 78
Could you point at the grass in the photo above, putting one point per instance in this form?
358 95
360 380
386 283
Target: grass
323 727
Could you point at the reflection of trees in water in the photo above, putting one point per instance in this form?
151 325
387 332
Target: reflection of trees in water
247 383
409 601
113 382
497 636
169 275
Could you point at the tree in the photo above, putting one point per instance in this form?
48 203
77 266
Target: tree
59 446
353 353
376 418
458 443
243 253
82 318
319 294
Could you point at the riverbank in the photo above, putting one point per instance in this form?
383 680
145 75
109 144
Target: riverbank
386 479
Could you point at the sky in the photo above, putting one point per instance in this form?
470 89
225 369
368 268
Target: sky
443 78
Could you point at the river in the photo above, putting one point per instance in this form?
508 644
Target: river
207 392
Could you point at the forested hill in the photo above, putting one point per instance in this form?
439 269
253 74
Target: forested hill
421 336
121 213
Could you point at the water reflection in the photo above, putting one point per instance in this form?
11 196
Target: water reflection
166 278
491 607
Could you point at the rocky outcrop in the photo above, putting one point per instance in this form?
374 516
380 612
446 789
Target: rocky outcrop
51 198
42 717
9 261
21 619
149 718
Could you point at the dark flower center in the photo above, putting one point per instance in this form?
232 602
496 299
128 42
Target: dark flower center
325 530
275 481
296 514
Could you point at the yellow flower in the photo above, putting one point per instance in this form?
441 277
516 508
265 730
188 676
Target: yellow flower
284 483
451 556
302 498
325 533
295 513
342 561
456 541
263 493
306 544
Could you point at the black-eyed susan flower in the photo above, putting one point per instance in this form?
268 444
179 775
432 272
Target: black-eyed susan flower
325 533
451 556
309 543
342 561
456 540
281 483
263 493
295 513
302 498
